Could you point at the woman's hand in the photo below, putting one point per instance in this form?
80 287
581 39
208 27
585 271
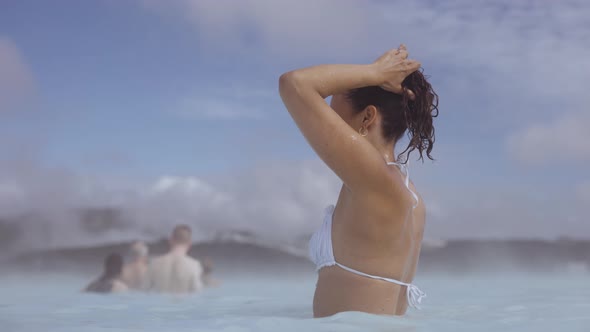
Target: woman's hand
393 67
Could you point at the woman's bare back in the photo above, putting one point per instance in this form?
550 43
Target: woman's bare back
364 241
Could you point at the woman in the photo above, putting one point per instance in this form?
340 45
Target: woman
367 249
110 281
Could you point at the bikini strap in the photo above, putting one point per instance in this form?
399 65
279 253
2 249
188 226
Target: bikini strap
405 170
414 295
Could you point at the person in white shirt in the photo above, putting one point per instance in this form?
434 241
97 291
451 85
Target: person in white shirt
176 272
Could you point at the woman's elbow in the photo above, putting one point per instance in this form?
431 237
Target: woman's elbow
289 81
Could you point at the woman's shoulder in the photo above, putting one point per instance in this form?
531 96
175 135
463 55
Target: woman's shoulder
118 286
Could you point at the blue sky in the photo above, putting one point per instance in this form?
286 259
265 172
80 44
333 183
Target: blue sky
180 98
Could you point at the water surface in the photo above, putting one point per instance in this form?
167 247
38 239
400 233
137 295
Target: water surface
508 302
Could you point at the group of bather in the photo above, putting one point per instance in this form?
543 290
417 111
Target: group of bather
174 272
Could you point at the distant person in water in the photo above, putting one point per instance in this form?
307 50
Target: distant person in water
176 272
208 279
110 281
134 272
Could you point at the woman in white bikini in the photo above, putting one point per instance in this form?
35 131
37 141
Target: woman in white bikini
367 249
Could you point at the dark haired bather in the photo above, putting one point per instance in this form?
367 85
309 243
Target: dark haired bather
110 280
367 249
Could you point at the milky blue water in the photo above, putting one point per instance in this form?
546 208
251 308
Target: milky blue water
508 302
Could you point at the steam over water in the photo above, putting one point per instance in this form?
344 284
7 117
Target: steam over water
46 209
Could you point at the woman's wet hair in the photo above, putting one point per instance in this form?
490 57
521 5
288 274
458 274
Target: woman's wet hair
400 113
113 266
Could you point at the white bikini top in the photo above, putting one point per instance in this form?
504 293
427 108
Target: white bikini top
322 254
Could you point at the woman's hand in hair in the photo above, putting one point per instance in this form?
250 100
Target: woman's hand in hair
393 67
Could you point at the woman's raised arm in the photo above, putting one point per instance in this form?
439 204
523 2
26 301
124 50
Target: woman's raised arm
353 158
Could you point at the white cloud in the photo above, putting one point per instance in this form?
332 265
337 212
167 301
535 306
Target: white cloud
273 201
513 56
286 28
566 140
188 185
502 62
16 79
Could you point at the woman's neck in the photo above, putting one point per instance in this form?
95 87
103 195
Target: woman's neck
387 150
